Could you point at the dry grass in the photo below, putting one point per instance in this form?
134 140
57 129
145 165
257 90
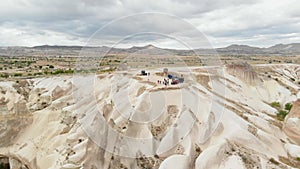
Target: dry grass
252 130
137 78
172 109
293 162
101 76
141 91
160 74
203 80
164 89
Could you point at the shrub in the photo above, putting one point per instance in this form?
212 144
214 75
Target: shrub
29 63
293 79
18 74
70 71
38 74
57 72
51 66
281 114
298 158
275 104
4 75
60 71
288 106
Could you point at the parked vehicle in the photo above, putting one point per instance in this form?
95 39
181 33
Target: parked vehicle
175 81
144 73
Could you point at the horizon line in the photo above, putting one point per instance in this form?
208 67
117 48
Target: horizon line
234 44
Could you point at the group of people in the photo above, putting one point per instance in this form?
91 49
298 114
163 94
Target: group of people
164 82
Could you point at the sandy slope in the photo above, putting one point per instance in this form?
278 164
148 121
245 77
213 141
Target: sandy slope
219 118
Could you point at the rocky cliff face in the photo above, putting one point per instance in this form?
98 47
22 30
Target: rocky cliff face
214 119
292 123
243 71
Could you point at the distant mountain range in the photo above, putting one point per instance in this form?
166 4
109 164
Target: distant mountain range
280 49
46 50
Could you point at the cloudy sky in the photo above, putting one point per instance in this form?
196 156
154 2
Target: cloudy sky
166 23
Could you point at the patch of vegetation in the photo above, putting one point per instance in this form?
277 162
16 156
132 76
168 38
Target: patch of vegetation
288 106
37 74
298 158
281 114
30 62
5 75
18 74
108 70
275 104
292 79
60 71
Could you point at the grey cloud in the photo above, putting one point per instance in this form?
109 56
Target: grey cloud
151 27
223 22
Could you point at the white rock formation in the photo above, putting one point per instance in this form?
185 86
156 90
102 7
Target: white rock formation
218 118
